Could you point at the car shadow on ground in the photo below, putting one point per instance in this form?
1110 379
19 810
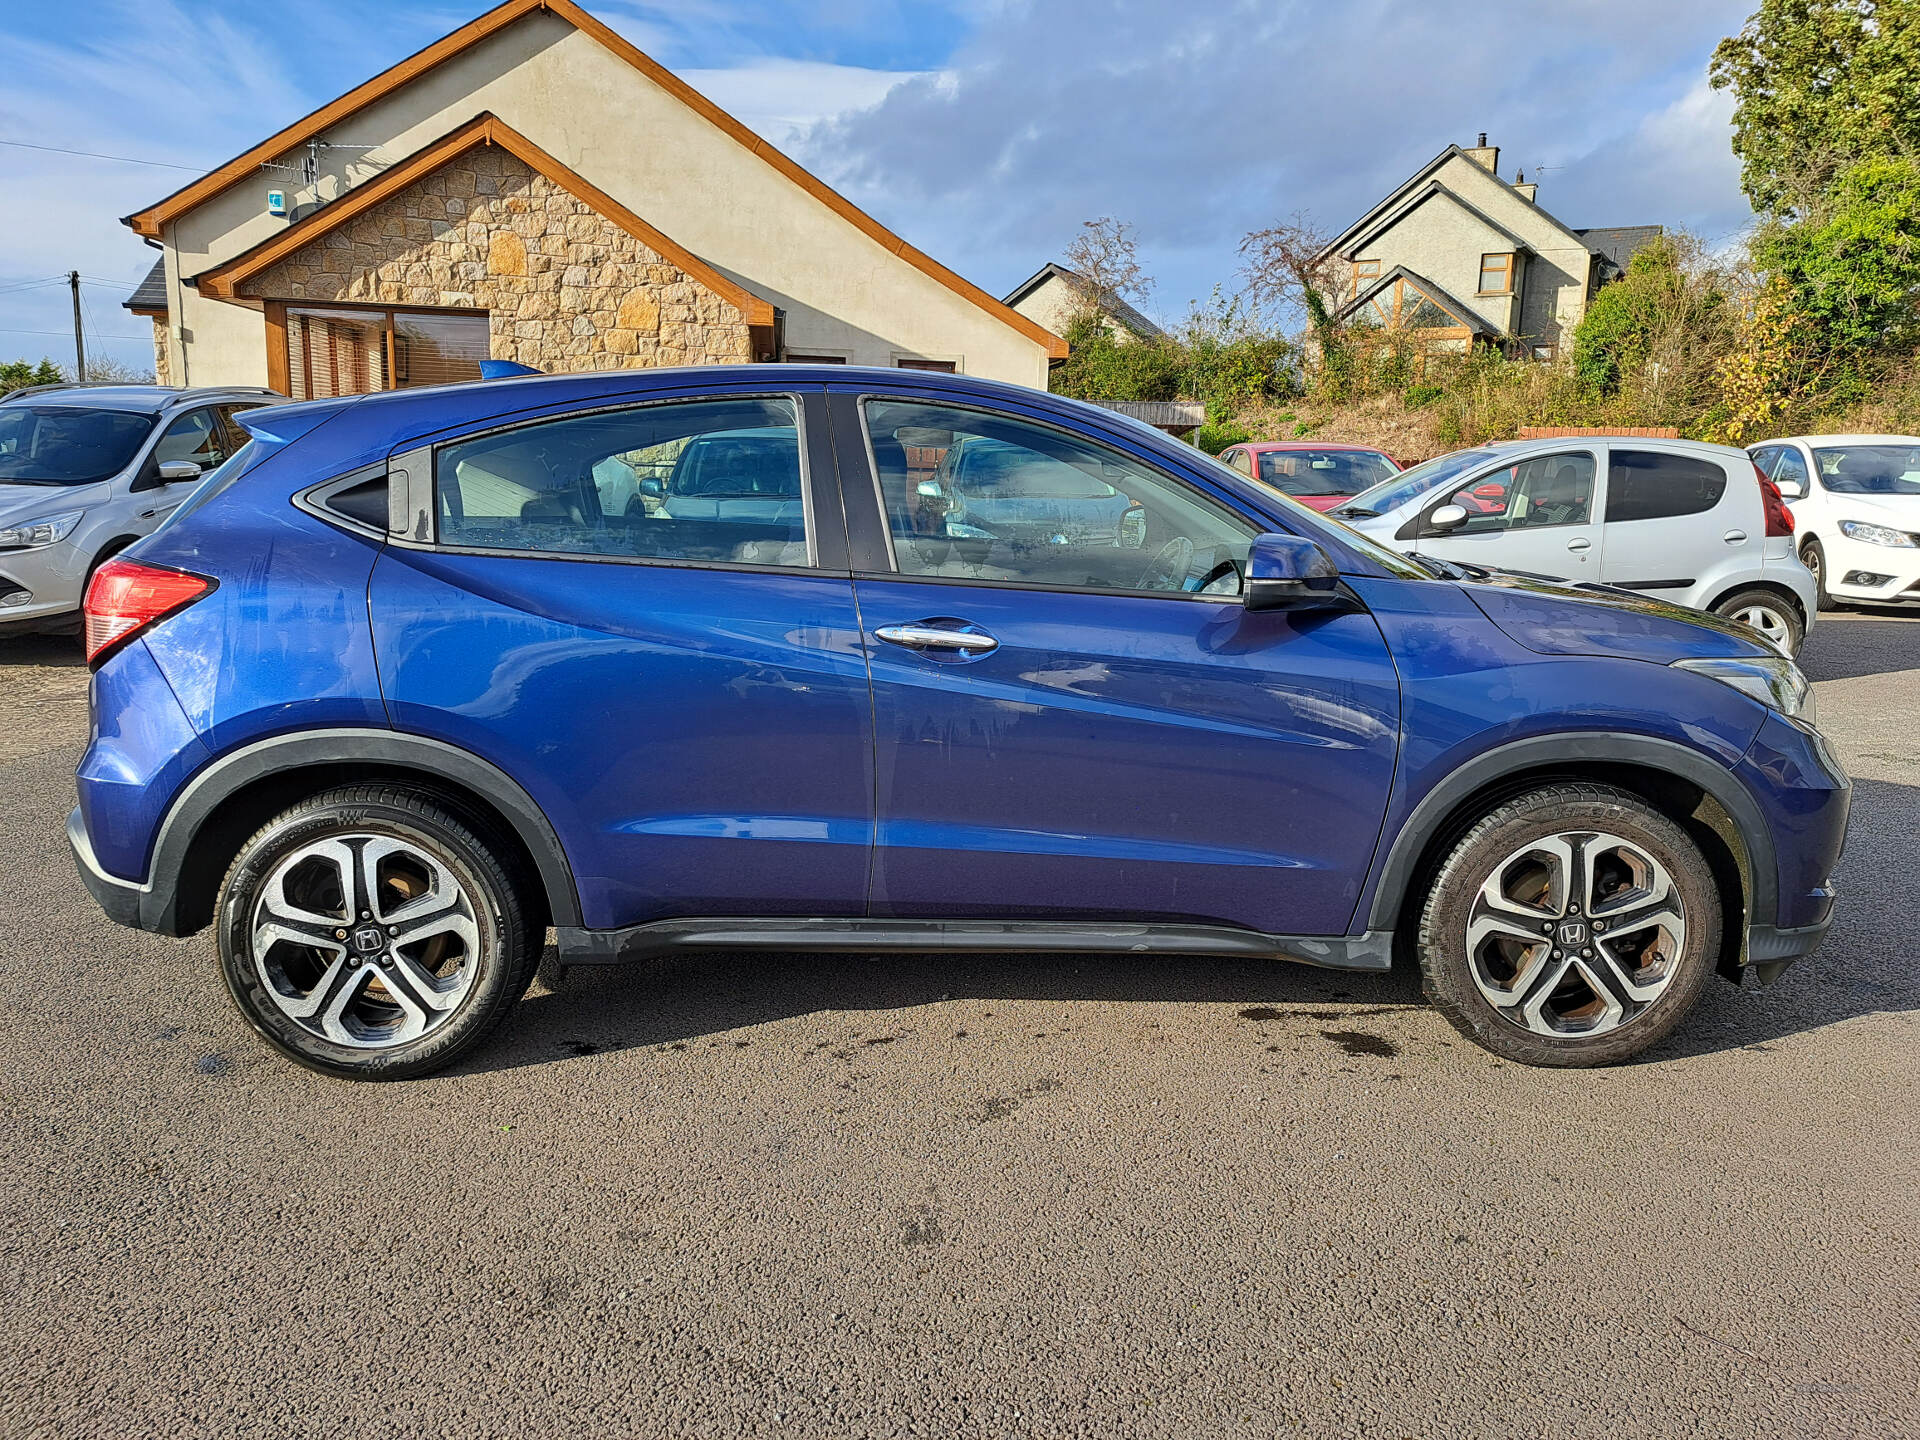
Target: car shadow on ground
1863 968
63 652
1850 644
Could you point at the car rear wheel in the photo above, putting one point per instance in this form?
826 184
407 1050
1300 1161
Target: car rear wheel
1574 925
1776 620
368 933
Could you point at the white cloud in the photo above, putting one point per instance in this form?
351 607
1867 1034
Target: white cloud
780 99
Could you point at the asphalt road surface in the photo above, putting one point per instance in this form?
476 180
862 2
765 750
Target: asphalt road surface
1027 1196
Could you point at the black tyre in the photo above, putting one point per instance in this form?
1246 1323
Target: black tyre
1814 557
1574 925
1771 616
373 934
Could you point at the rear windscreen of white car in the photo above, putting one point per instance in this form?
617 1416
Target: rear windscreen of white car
1649 485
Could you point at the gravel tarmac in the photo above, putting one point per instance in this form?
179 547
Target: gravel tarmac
940 1196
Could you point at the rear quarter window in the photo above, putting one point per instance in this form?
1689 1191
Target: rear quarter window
1651 485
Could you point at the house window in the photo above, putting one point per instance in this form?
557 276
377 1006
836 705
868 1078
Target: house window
1365 272
352 352
943 367
1496 274
1401 306
794 357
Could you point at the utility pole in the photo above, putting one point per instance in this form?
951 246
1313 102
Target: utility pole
79 338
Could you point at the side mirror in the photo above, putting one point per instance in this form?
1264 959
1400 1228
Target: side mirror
1447 517
652 488
1288 572
1791 489
172 470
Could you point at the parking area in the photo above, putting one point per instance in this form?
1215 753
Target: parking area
962 1196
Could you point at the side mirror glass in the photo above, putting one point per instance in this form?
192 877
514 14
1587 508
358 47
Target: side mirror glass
1289 572
1447 517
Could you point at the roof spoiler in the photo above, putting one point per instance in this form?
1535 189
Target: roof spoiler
505 369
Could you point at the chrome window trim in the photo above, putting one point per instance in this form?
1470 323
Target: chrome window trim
422 467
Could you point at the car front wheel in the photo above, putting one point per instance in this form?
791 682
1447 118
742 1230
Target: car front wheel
1815 559
368 933
1574 925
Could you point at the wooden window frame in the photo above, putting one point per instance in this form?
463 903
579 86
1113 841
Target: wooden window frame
280 353
1363 276
1502 260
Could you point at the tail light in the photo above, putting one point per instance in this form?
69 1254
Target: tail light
125 597
1779 517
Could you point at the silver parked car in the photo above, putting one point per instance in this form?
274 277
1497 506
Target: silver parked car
86 470
1694 524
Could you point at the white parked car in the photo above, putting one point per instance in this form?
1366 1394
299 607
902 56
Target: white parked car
1856 508
1678 520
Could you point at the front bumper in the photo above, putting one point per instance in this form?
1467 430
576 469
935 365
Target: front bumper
1897 567
1806 798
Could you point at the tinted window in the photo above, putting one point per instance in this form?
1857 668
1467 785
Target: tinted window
1792 466
1045 507
712 480
1323 472
1647 485
67 445
1870 469
197 436
1543 490
365 502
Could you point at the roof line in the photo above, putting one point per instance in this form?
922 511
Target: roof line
1117 308
149 222
222 281
1435 190
1425 170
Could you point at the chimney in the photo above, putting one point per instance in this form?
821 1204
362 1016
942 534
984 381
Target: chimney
1485 154
1521 188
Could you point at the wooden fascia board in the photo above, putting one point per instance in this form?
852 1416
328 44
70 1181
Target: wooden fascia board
223 281
149 222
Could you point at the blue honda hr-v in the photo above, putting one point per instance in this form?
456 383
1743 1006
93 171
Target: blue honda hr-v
416 676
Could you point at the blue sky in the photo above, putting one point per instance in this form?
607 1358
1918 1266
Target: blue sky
984 131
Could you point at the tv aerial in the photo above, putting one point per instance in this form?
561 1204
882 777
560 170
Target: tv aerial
309 168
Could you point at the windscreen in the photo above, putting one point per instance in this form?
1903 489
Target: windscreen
1324 472
1870 469
1409 485
67 444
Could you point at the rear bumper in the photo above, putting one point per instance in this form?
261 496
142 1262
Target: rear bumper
124 902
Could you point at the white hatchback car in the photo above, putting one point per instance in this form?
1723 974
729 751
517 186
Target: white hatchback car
1856 508
1682 521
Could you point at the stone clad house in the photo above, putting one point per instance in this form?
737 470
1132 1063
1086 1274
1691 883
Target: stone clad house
533 188
1460 256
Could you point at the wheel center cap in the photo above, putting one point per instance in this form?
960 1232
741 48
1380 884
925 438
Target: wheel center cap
369 940
1572 934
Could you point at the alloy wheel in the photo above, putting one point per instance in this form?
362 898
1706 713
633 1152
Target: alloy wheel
1576 934
365 940
1772 625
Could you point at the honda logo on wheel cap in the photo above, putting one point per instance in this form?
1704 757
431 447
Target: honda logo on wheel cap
369 938
1573 934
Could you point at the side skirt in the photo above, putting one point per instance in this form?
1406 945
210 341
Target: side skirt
1372 951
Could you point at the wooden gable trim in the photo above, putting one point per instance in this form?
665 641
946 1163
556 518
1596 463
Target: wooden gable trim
149 222
222 282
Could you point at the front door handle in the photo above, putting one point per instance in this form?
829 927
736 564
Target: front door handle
1579 543
937 637
1735 537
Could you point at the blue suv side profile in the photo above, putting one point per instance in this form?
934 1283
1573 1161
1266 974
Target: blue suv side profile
414 677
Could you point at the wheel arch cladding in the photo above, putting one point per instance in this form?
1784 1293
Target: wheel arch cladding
230 799
1706 800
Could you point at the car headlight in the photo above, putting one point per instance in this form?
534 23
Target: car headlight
1774 681
47 530
1878 535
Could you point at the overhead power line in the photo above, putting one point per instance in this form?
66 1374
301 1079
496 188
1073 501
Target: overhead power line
96 155
68 334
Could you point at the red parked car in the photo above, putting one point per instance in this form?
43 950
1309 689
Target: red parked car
1312 472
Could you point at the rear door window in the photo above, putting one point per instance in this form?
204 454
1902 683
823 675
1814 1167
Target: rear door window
1652 485
717 480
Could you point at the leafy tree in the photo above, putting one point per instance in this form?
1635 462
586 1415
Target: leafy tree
1854 267
1820 85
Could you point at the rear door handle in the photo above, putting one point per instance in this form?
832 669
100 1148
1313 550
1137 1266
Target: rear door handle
938 637
1734 537
1577 543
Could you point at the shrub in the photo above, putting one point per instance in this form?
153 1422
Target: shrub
1217 435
